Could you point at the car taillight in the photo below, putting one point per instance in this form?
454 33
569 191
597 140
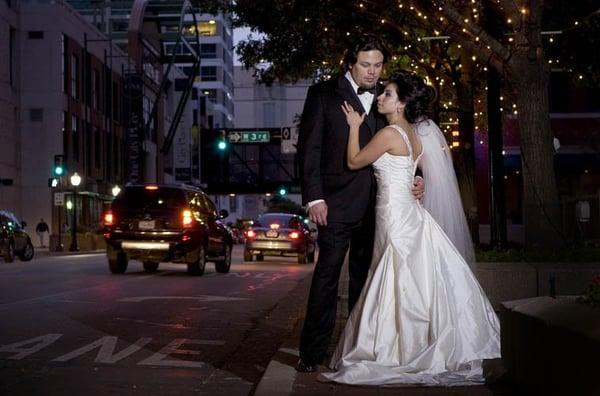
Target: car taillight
186 218
294 235
250 234
109 219
185 238
151 187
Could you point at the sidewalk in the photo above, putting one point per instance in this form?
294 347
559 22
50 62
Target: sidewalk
281 379
45 251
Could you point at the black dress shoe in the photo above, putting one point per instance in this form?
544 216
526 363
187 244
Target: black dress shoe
303 367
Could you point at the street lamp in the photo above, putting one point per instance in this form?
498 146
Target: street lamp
116 190
75 181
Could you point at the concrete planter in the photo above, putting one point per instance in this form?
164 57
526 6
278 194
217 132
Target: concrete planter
514 281
551 346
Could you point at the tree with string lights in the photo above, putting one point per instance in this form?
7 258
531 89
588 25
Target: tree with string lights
307 39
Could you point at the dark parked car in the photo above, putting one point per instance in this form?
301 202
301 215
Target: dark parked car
280 234
160 223
14 241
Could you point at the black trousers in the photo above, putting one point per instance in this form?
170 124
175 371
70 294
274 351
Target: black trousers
334 241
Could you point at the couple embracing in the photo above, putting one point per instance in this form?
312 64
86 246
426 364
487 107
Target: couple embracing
417 313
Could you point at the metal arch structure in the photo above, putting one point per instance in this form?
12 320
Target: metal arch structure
155 27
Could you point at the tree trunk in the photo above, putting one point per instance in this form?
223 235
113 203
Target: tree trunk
541 211
464 156
498 234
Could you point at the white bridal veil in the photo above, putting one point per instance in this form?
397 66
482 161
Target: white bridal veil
442 197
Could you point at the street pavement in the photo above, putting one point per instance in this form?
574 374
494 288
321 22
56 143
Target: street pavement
70 327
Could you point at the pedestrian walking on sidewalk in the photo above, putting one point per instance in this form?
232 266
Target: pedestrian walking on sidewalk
41 230
340 201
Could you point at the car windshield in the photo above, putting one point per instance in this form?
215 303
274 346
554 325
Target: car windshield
282 220
139 197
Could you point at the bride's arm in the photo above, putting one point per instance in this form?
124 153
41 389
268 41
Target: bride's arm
379 144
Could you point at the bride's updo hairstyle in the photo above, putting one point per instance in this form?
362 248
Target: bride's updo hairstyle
415 94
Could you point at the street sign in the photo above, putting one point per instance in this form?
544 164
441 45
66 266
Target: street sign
289 140
249 136
59 199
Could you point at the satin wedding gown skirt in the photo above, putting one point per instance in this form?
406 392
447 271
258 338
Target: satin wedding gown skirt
422 317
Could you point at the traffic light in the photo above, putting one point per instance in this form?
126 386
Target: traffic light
282 191
222 140
59 166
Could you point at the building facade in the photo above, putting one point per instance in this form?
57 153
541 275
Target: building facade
61 103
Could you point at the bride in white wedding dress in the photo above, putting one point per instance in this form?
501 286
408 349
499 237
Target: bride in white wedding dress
422 317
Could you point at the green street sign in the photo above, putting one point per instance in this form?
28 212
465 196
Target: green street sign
249 136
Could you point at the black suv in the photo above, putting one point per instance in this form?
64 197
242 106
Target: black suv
13 239
158 223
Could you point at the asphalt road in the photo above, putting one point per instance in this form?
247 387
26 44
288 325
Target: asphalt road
69 327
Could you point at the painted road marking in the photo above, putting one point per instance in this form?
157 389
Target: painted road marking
106 350
203 298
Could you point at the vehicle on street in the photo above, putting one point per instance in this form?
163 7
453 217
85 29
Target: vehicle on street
280 234
166 223
14 241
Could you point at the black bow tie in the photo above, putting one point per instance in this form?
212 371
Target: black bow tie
362 90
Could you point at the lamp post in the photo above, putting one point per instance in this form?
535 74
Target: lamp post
75 181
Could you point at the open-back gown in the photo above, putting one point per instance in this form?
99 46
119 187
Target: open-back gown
422 317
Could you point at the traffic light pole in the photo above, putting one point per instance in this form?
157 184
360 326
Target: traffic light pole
74 247
59 246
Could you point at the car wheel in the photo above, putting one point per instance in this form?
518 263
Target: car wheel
197 267
247 256
224 265
302 258
260 257
118 265
150 266
9 254
28 252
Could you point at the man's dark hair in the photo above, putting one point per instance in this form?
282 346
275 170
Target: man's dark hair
364 43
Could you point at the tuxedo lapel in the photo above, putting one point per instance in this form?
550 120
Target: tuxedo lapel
345 90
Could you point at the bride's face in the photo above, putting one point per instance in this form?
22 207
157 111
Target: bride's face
388 102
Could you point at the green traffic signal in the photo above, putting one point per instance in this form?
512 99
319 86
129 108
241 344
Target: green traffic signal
222 145
282 191
58 170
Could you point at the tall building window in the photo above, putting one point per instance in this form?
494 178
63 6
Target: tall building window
63 61
96 90
97 148
207 28
75 137
12 45
74 76
233 203
269 115
211 94
208 73
208 50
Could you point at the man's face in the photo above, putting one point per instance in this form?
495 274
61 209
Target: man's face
367 69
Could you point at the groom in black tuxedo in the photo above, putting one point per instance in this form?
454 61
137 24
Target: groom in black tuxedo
340 201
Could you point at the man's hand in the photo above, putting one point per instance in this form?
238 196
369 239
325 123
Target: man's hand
418 188
318 213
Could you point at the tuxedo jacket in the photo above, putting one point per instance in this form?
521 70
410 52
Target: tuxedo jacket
322 141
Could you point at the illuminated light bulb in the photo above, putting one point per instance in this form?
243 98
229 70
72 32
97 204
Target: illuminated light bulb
509 20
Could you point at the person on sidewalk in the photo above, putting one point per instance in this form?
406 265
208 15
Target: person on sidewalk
340 201
41 230
422 317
